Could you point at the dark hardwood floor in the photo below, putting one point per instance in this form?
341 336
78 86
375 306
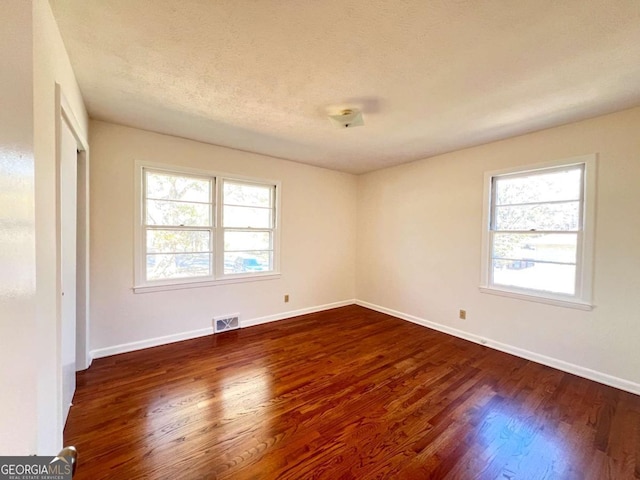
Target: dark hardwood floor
345 394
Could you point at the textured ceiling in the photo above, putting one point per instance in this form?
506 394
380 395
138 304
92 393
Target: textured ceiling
430 76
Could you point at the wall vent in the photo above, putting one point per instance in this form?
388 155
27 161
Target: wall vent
228 322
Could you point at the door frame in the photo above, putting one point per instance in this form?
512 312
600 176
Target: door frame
64 112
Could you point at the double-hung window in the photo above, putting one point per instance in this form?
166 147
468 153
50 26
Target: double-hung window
538 232
248 221
178 226
194 228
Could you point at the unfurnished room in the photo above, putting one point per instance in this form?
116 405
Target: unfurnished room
320 239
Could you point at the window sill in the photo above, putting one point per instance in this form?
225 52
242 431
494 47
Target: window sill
206 283
558 302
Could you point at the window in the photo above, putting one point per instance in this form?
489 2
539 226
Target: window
199 228
178 226
538 232
248 220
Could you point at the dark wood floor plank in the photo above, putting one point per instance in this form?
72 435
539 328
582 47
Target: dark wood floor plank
345 394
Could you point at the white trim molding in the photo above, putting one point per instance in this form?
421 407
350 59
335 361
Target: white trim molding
203 332
534 298
585 234
215 228
150 342
209 283
294 313
574 369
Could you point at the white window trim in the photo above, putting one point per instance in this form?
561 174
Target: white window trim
584 269
140 285
219 250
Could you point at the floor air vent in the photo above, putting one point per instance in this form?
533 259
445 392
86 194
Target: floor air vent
223 324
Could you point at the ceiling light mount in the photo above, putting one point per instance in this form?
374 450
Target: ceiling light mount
347 118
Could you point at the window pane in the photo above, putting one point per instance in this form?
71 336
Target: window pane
247 262
539 187
553 216
175 187
181 265
173 241
548 277
247 217
553 247
160 212
242 241
247 194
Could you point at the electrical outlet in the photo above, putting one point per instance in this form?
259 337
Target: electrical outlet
286 298
463 314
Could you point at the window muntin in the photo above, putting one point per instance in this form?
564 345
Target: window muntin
536 231
248 220
178 231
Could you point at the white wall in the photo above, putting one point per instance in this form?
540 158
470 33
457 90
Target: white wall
51 66
419 248
34 60
17 232
317 240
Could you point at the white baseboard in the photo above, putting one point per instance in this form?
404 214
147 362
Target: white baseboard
294 313
578 370
584 372
150 342
178 337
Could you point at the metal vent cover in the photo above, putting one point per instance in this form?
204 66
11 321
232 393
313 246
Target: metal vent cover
224 324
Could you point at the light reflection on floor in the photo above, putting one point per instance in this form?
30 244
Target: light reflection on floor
225 400
243 394
517 441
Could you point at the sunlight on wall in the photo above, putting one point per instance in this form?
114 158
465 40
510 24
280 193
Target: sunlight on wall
16 217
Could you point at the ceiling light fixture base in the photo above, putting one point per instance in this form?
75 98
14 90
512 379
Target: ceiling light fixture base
347 119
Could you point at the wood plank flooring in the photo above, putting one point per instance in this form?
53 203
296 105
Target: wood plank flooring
345 394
